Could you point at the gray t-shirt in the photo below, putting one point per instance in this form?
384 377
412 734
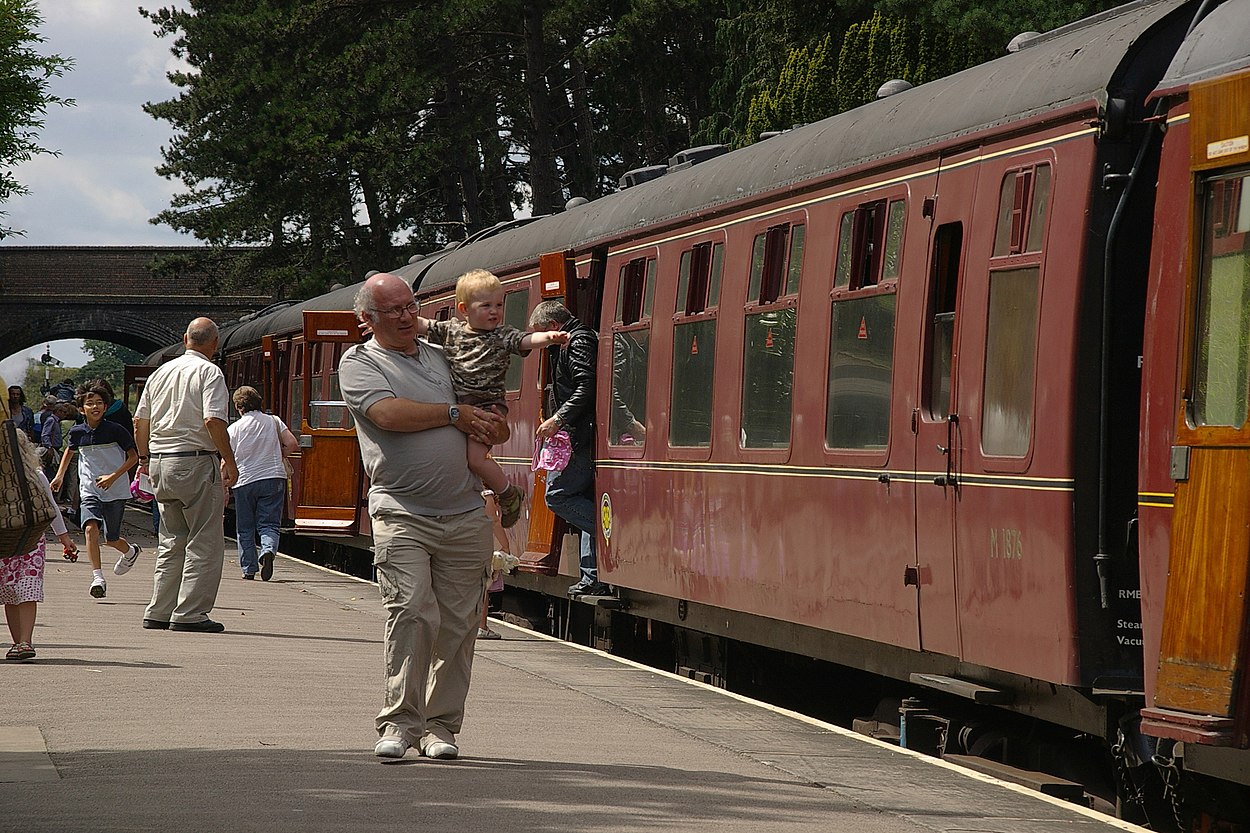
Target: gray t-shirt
417 472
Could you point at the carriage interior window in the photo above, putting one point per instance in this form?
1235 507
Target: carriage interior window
1010 359
694 346
767 378
637 291
516 307
1220 393
870 243
1022 204
297 388
861 364
943 296
630 350
776 263
443 314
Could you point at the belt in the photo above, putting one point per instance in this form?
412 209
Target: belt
159 454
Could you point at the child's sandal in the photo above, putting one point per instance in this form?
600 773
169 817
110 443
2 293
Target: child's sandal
20 651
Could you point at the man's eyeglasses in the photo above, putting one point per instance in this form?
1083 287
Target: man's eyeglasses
398 312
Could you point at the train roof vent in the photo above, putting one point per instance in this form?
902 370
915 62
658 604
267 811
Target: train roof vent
892 87
693 156
1022 40
640 175
575 202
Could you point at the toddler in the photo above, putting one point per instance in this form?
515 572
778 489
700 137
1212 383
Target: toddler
479 347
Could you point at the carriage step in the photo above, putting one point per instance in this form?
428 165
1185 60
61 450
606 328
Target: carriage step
975 692
1042 782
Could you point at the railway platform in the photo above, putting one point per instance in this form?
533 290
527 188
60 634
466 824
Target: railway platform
268 727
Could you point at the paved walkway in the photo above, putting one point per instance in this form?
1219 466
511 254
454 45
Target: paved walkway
269 727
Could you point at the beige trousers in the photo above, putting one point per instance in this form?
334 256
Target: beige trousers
192 545
432 573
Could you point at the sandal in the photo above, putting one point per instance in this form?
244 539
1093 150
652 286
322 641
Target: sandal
20 651
487 633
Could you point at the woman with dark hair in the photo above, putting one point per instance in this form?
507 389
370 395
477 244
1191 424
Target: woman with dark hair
260 441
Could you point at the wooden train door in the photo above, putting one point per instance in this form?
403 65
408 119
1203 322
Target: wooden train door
328 501
1205 648
936 420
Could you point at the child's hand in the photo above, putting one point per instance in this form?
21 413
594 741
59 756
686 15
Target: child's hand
67 543
55 484
106 480
560 337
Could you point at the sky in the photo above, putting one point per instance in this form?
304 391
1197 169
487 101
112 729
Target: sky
102 189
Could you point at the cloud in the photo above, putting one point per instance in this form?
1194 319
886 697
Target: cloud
103 188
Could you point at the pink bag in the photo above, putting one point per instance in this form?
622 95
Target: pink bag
553 453
141 489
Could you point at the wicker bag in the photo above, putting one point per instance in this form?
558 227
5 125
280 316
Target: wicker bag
24 508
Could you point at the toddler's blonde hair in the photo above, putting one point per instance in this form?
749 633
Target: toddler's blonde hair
474 283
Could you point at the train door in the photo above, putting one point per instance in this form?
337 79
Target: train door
556 279
328 502
936 420
1205 650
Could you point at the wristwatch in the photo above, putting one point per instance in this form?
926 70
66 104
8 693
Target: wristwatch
453 414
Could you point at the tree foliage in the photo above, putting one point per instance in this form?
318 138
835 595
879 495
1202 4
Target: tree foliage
24 94
331 137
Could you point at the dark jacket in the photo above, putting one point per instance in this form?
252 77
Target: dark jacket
573 382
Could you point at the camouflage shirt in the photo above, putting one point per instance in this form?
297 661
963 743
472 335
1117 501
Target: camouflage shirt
479 360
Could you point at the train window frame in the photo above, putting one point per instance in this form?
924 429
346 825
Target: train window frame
643 265
770 279
1208 244
516 298
635 289
871 233
1023 215
774 276
696 307
1026 196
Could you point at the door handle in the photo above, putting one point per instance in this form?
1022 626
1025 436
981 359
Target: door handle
911 576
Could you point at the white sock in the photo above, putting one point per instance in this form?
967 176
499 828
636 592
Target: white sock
97 574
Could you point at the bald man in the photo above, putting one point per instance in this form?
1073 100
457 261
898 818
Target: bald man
180 432
431 539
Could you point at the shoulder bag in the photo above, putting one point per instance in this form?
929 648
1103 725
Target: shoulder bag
24 508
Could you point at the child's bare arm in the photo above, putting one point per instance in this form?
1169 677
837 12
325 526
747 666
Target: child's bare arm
61 469
531 340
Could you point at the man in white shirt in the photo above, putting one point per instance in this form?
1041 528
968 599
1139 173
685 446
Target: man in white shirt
180 432
261 443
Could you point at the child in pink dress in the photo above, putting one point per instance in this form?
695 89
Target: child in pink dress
21 583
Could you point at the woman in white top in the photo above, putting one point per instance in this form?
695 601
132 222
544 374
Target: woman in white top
260 442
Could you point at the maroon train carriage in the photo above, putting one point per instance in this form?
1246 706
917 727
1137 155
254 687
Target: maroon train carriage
894 390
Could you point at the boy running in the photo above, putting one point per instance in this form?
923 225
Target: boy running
479 347
106 452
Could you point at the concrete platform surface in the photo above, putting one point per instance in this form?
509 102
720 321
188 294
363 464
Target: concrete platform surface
269 727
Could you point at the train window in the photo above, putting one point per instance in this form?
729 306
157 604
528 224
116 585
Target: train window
516 307
637 290
1022 203
698 279
443 314
944 292
1221 374
891 267
767 379
629 387
870 242
1010 357
776 261
861 362
694 366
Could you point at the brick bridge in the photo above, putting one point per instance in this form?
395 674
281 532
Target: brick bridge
104 292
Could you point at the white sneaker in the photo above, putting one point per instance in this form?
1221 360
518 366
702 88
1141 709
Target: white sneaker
441 750
127 561
98 587
390 747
